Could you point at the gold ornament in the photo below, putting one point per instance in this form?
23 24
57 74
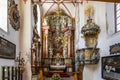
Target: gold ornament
89 11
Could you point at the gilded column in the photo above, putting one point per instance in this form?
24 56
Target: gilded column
45 41
41 74
46 45
69 46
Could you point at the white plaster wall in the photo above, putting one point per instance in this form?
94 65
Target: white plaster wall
107 37
12 36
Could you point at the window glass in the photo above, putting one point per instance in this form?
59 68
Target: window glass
118 20
118 27
117 17
118 12
3 15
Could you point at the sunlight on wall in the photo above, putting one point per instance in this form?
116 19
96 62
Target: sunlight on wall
3 15
38 23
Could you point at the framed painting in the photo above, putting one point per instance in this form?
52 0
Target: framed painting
111 67
115 49
7 49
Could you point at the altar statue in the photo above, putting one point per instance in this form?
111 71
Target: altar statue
58 60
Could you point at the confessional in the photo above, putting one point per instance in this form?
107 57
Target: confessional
57 41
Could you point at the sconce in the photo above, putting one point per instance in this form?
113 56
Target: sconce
20 62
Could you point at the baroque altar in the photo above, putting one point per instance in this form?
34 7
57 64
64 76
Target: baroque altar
58 41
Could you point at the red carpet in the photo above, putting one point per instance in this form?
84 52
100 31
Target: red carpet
62 74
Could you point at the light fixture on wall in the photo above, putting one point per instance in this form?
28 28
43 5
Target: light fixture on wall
20 62
19 66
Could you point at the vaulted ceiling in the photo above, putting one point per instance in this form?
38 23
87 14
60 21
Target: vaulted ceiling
50 5
118 1
78 0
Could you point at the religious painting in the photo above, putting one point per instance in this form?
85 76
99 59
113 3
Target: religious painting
7 49
111 67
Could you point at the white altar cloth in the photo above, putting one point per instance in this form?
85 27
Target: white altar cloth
57 66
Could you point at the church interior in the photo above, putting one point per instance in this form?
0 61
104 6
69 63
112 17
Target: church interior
59 39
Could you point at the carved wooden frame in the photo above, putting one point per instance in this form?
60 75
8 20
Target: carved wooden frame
14 16
114 49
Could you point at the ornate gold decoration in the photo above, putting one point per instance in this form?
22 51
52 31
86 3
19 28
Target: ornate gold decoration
14 15
89 11
56 77
59 23
89 55
90 33
58 47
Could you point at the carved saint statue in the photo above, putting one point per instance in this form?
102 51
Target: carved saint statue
36 36
35 13
35 46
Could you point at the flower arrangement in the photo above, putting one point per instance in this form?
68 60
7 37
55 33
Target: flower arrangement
56 77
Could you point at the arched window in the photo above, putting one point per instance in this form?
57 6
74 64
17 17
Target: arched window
117 17
3 15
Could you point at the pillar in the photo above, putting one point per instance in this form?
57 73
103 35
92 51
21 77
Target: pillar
25 36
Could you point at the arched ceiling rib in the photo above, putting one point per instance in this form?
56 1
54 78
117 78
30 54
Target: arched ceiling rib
51 4
62 3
